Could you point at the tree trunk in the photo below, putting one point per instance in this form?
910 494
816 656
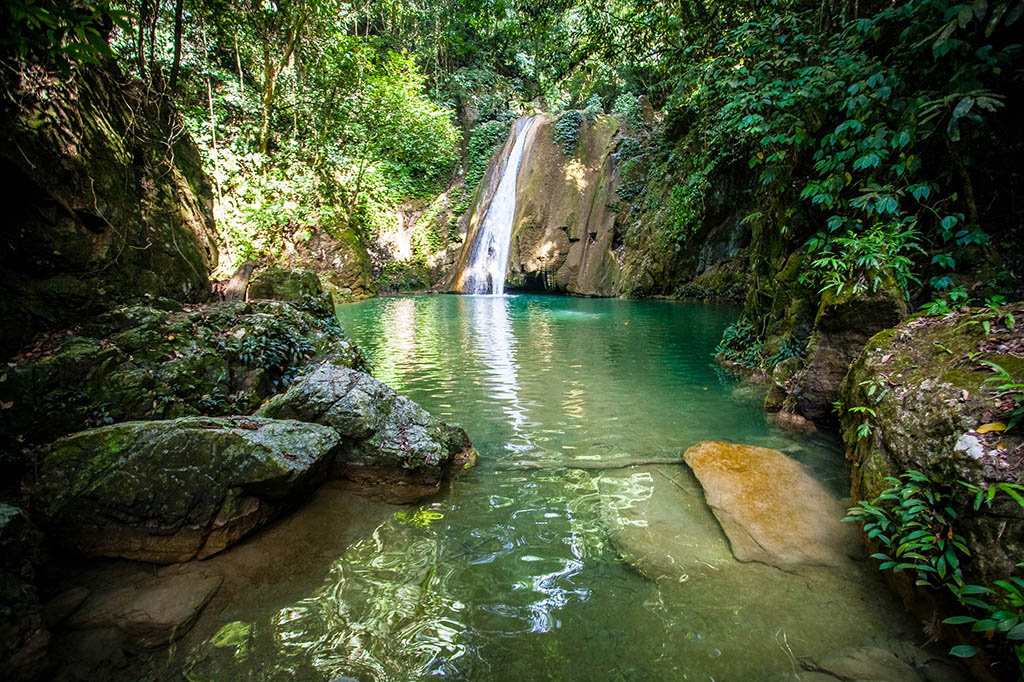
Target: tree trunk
140 39
178 6
239 282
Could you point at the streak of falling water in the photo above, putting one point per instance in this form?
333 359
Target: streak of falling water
488 258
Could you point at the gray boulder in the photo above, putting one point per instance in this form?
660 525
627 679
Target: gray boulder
391 447
168 491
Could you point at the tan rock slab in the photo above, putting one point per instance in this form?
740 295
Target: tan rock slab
769 507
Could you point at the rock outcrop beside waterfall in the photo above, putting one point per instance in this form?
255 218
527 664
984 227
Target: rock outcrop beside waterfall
564 237
564 231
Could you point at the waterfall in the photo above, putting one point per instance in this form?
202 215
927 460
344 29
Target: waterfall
488 258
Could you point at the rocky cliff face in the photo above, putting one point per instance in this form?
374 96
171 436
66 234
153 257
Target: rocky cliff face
563 237
106 199
564 231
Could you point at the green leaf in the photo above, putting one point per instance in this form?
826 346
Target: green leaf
959 620
963 651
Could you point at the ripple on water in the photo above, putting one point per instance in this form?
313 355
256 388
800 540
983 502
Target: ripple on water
563 573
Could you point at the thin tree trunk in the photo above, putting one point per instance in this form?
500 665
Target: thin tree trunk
153 20
213 122
178 7
238 63
270 74
140 39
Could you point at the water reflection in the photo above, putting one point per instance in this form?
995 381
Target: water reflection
557 574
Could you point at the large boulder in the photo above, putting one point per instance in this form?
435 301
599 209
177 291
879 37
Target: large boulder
23 634
769 507
282 284
105 198
164 361
391 447
932 395
169 491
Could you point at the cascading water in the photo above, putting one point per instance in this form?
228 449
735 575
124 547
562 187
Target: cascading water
488 258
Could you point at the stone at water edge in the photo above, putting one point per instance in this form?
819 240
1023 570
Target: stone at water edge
769 507
150 610
168 491
391 447
931 396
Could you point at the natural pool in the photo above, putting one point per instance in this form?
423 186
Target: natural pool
522 574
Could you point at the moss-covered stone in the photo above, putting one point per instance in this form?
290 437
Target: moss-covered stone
149 362
23 634
844 323
281 284
930 392
391 448
168 491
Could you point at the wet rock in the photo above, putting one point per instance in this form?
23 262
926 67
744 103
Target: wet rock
843 325
931 393
169 491
57 608
391 447
23 633
150 610
658 521
769 507
563 232
164 361
867 663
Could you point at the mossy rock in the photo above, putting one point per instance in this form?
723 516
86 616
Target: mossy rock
23 634
392 448
843 324
281 284
144 362
168 491
109 200
931 393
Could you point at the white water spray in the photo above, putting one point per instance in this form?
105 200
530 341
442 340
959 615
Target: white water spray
488 259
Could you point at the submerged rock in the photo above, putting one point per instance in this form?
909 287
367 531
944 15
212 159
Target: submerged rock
391 447
769 507
23 634
658 521
169 491
932 395
150 610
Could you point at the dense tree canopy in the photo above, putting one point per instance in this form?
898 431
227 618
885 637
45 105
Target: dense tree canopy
886 121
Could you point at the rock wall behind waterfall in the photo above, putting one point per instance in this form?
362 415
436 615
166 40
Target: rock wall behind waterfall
564 236
564 233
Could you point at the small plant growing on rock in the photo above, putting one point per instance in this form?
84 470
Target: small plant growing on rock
567 131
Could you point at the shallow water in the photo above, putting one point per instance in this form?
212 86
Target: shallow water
518 574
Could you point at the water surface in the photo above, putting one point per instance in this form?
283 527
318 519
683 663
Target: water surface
520 574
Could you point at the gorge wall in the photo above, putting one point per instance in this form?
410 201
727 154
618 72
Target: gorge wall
106 197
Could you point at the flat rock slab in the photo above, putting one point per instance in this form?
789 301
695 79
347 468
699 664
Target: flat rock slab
658 521
770 508
150 610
